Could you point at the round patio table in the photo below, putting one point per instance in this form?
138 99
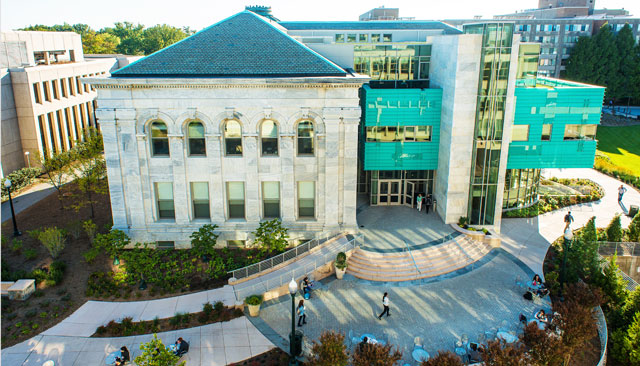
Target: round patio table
460 351
419 354
532 286
111 357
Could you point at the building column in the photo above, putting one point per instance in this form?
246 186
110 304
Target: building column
216 183
180 197
349 163
288 193
252 183
131 167
329 172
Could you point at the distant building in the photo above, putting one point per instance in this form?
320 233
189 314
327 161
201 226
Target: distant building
44 104
382 13
557 25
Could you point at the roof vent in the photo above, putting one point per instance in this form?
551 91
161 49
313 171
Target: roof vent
262 10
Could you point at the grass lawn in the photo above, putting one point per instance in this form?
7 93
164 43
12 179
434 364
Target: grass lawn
622 145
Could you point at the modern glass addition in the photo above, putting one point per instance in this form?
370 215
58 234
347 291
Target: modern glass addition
393 62
363 38
159 139
232 138
235 200
546 132
305 137
520 188
269 138
197 145
399 133
271 199
351 38
164 198
306 199
339 38
200 200
492 90
520 133
580 132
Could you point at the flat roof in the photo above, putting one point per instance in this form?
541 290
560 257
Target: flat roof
373 25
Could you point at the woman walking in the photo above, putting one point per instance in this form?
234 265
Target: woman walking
385 305
302 318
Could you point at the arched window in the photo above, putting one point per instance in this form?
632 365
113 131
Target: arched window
159 139
195 133
232 138
305 138
269 138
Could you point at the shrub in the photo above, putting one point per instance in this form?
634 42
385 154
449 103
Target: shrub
498 353
31 313
90 228
30 254
16 245
271 236
204 240
634 228
53 239
43 314
443 358
75 229
253 300
541 347
375 354
207 309
341 261
218 306
329 350
462 221
614 230
19 179
155 353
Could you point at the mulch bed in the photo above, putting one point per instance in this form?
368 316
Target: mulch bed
274 357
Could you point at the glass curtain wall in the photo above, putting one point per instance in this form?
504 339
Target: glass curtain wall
520 188
394 66
492 95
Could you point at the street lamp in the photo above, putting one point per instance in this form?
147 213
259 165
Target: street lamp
566 245
28 160
293 289
16 232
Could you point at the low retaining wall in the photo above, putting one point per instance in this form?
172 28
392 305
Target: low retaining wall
492 240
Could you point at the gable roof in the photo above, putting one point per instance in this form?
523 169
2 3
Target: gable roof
371 25
243 45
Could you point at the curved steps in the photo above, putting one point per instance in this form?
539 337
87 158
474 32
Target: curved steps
431 261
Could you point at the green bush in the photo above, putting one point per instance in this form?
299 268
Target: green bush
16 246
341 261
329 350
614 230
91 229
271 236
204 240
30 254
253 300
19 179
54 240
634 228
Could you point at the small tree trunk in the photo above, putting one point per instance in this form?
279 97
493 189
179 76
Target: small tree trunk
91 203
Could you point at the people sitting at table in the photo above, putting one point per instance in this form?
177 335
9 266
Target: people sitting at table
475 352
124 356
541 316
182 347
536 281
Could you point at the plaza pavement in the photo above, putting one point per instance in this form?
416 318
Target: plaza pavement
529 238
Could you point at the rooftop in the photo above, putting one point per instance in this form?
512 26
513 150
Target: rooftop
373 25
243 45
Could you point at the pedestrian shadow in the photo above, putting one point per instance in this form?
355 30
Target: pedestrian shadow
623 207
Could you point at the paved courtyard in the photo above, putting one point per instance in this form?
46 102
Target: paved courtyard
438 312
388 227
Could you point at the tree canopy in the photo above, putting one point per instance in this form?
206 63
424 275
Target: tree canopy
124 37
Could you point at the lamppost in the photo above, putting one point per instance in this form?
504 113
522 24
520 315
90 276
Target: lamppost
16 232
566 245
293 289
28 160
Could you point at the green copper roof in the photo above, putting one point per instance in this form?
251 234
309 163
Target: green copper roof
243 45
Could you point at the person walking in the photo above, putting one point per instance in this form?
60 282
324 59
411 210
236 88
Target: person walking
419 202
427 203
385 305
302 317
568 219
621 191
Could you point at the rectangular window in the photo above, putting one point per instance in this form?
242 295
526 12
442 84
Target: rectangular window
375 38
239 244
54 144
351 38
520 133
306 199
63 88
47 92
70 133
165 245
410 133
584 27
546 132
539 27
387 38
164 198
60 129
271 199
54 87
589 132
339 38
580 132
423 133
43 139
86 86
235 199
71 86
364 38
79 85
200 200
36 93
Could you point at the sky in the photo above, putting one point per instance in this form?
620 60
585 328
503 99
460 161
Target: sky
198 14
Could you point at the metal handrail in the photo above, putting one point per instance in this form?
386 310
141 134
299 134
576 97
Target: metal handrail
624 248
279 259
299 272
631 283
413 259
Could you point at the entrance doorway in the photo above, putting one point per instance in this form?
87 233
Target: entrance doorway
389 192
409 192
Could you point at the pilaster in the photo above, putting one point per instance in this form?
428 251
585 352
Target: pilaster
180 185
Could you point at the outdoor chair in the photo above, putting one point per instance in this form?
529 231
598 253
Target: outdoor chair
417 342
519 283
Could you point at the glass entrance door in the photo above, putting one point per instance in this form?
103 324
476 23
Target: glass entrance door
389 192
409 190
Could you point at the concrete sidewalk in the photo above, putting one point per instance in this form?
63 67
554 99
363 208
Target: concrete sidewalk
529 238
26 199
215 344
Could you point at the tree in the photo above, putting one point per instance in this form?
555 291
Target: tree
613 285
329 350
499 353
628 63
632 341
89 169
97 43
154 353
130 35
583 261
443 358
581 63
271 236
161 36
375 355
204 240
56 168
634 228
614 230
544 348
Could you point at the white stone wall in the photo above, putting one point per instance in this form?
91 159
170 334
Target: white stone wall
127 106
455 68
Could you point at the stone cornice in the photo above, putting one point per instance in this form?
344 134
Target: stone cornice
226 86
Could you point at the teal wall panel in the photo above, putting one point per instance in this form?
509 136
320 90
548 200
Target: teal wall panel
558 103
401 107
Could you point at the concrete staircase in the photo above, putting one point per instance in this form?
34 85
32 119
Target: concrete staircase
430 262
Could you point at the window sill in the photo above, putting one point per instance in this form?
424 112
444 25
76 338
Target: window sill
166 221
201 219
269 156
238 220
196 156
233 156
306 219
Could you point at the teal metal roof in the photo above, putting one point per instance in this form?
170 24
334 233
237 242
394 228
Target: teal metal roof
374 25
243 45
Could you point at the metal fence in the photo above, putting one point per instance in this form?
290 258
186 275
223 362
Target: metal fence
289 255
622 248
297 271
